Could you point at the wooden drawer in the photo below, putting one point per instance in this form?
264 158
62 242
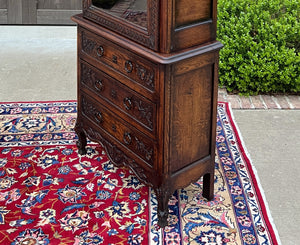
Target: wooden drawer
140 70
124 133
142 110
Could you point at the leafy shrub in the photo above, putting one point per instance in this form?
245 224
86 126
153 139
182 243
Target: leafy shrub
261 45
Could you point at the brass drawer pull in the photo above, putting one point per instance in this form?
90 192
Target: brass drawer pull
99 85
127 138
99 117
100 51
128 66
127 103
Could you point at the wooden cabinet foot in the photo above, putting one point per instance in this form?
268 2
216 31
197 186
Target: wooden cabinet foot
82 141
208 186
163 196
163 218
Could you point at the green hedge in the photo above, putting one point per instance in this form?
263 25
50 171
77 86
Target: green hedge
261 45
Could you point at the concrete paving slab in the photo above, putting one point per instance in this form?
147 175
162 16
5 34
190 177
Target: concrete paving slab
272 139
37 63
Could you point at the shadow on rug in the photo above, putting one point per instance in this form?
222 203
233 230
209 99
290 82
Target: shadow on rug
51 195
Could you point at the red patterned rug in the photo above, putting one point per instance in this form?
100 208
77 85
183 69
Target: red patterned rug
51 195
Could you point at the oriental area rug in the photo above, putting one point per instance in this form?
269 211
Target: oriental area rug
51 195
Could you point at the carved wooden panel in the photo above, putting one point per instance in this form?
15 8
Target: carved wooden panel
130 102
146 36
153 109
134 67
134 140
116 155
190 12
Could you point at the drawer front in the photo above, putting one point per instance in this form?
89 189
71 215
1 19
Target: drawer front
127 135
132 66
128 101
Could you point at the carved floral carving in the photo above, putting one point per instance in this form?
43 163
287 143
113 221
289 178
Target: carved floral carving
146 37
117 156
145 75
89 109
140 109
139 37
142 149
145 112
87 75
88 45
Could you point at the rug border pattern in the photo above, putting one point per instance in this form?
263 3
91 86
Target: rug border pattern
257 188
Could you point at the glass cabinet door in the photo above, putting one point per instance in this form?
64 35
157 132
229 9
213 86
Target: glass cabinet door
137 20
134 11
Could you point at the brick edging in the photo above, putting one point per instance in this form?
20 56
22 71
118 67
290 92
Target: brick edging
290 102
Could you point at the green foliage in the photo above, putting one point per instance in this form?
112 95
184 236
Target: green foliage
261 45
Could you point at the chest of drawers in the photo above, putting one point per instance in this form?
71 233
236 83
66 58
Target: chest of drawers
153 112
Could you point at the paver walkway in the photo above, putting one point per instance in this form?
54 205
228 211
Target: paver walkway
291 102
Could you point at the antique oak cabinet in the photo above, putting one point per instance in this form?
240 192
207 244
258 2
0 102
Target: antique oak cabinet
147 89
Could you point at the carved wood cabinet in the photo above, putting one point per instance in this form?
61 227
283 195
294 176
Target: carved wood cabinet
147 89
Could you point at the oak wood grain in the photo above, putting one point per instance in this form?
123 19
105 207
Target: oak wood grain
174 80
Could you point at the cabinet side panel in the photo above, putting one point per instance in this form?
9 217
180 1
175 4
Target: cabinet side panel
191 108
190 11
194 23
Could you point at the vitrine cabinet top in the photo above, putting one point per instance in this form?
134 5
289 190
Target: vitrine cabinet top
161 25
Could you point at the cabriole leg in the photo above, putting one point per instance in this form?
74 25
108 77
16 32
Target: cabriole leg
163 197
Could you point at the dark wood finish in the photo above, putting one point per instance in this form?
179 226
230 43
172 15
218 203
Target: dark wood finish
189 12
173 25
154 112
147 37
